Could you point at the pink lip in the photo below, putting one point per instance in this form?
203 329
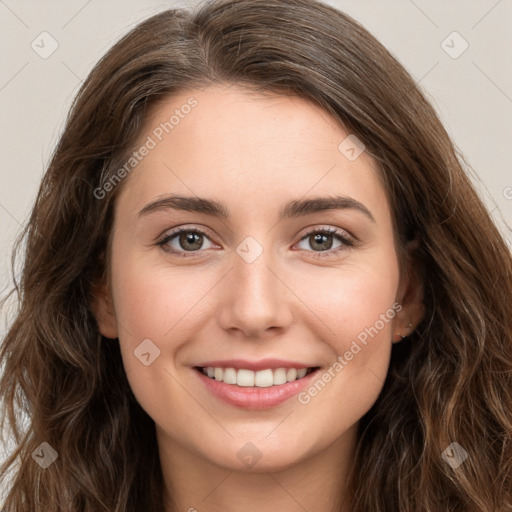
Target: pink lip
254 398
263 364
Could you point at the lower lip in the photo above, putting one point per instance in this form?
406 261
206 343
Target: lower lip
254 397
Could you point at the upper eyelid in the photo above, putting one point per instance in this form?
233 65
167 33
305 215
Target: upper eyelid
171 233
329 229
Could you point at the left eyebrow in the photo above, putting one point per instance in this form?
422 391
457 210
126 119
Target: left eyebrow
295 208
308 206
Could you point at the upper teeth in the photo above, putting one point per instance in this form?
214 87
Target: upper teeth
249 378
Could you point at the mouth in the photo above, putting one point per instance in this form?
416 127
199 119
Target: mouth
254 390
243 377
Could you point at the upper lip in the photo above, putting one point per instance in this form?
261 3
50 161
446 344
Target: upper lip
262 364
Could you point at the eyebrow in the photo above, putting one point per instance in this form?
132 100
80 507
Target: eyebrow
295 208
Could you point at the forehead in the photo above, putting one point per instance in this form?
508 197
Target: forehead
253 150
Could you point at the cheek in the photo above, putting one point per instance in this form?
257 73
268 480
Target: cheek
354 299
356 312
355 307
160 303
155 310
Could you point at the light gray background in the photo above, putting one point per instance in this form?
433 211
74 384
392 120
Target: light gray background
472 93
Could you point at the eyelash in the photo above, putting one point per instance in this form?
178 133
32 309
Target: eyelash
339 234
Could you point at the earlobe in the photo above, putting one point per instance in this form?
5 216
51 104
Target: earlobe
103 310
398 336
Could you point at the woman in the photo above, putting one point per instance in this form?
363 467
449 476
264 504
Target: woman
189 338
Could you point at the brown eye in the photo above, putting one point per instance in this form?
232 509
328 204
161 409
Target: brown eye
185 240
190 240
321 241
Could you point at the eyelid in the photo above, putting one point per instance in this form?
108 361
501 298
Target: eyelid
186 227
327 228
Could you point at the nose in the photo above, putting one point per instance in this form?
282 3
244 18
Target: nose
255 301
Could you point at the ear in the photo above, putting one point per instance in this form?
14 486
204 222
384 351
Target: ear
103 310
410 295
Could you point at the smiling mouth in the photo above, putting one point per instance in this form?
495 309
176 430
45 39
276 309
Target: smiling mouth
249 378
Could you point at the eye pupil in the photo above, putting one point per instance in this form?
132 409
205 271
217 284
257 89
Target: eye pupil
191 237
320 238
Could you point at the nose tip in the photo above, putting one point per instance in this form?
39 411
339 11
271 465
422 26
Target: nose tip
254 299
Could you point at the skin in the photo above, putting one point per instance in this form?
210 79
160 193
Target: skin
254 153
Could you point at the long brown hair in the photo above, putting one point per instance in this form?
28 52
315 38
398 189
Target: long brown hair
450 381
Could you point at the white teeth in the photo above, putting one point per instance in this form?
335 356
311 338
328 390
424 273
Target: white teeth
229 376
245 378
279 376
264 378
291 374
260 379
301 373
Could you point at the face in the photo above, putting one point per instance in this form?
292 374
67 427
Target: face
261 279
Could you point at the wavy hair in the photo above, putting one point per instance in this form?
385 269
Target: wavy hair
450 381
